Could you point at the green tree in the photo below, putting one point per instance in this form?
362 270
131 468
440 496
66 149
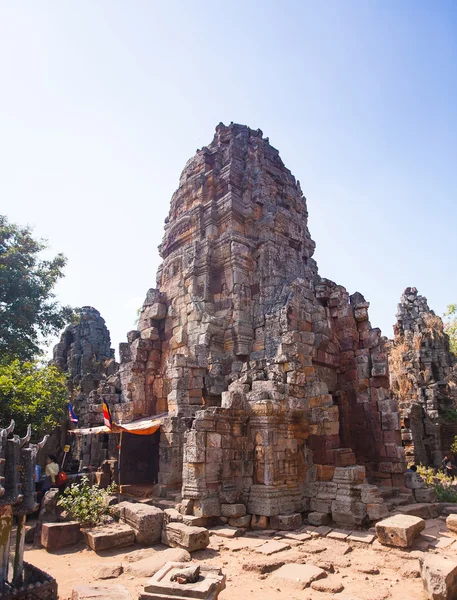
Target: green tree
29 311
450 326
30 393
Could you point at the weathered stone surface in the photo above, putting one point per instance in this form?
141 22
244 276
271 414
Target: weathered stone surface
162 585
185 536
109 536
112 591
109 571
146 521
60 535
148 566
286 522
240 521
272 547
423 378
292 576
425 495
233 510
317 518
399 530
451 523
439 575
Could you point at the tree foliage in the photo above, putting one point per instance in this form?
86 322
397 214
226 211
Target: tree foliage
28 309
450 326
32 394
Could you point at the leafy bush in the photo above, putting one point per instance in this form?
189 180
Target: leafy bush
87 503
445 486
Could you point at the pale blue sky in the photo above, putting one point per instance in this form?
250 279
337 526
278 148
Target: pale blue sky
102 102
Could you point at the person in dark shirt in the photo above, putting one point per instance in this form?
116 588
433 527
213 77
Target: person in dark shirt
447 466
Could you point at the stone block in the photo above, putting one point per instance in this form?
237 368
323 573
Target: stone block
240 521
147 567
451 523
318 518
353 474
259 522
399 530
233 510
323 506
194 521
425 495
162 586
286 522
60 535
439 576
413 481
110 536
207 507
113 591
185 536
296 577
377 511
146 521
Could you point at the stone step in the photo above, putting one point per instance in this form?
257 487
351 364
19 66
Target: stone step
388 492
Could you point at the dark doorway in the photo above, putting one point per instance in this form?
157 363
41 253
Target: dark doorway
140 458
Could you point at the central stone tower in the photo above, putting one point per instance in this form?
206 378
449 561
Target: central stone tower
271 375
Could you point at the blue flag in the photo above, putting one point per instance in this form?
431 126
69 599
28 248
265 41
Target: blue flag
71 414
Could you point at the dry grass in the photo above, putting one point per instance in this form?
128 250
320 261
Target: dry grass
398 356
433 326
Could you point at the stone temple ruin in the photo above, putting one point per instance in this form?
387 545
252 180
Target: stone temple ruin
424 381
274 383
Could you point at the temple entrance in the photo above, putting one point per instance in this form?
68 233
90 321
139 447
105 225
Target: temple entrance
139 459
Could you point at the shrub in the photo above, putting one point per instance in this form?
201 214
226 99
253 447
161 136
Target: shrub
445 487
87 503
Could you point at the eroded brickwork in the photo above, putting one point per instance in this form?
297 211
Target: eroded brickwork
424 381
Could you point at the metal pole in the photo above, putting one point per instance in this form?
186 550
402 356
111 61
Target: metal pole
19 556
119 467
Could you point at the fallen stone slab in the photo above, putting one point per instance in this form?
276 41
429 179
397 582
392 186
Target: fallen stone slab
147 521
422 510
328 586
425 495
100 592
296 577
299 537
339 534
108 571
439 576
109 536
240 543
60 535
227 532
194 521
399 530
147 567
361 536
264 566
185 536
272 548
211 582
322 531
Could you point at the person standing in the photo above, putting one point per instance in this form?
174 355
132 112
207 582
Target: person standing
51 472
447 466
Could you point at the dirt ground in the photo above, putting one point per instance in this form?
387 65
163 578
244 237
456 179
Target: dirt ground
360 571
